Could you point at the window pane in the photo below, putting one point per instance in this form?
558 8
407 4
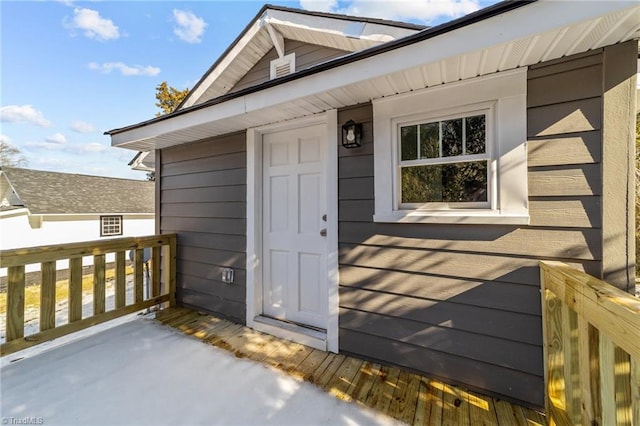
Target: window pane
476 135
429 140
449 183
408 141
452 137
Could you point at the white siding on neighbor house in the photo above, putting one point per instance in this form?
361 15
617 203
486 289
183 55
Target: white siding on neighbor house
16 232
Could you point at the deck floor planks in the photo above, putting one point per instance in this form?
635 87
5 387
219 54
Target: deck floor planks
481 409
405 397
455 407
382 389
309 365
342 379
400 394
436 397
331 368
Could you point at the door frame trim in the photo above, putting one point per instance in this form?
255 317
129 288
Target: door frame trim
254 231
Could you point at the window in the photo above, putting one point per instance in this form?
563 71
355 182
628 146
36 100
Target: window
454 153
110 225
444 162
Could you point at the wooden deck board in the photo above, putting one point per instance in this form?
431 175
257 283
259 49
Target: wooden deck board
405 396
340 383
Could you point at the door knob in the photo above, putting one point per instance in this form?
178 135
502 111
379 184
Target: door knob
323 232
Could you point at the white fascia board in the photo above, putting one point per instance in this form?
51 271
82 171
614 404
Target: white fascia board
231 108
526 21
224 63
14 212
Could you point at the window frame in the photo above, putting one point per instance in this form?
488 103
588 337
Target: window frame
103 224
505 94
486 109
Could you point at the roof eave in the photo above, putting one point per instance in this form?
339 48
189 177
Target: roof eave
353 72
425 34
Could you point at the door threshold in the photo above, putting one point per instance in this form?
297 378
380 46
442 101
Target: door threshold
315 338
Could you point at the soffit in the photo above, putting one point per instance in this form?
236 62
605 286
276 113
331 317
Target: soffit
500 43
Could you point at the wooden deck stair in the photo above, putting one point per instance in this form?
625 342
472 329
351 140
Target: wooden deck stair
402 395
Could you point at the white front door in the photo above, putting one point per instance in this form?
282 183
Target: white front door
294 244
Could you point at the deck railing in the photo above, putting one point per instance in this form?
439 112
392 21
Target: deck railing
161 285
591 333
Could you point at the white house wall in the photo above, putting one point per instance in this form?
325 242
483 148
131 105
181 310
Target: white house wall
16 232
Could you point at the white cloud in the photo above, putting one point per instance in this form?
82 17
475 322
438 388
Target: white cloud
189 27
46 145
320 5
399 10
5 139
125 69
57 138
94 25
23 114
82 126
90 147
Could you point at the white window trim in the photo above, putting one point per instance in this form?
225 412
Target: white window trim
487 109
509 202
103 225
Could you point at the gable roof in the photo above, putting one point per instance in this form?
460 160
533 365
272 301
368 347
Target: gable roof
342 32
505 36
45 192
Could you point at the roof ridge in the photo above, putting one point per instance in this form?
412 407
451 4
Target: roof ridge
4 168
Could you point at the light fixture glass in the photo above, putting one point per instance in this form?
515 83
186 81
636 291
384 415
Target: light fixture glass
351 134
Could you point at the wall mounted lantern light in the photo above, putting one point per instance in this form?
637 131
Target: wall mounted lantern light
351 134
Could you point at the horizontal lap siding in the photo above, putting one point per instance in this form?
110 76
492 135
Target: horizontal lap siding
462 302
203 200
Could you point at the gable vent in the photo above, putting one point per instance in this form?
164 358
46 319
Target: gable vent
283 66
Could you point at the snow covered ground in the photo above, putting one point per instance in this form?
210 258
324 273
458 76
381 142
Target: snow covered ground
143 373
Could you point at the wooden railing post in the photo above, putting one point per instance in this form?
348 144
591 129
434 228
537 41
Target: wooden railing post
169 269
156 266
15 303
121 279
138 275
48 296
75 289
99 266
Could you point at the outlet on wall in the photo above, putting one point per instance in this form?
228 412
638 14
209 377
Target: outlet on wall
227 275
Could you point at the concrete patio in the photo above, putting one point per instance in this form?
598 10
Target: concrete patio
135 373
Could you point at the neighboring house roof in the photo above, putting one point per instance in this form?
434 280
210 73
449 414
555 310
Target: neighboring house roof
505 36
64 193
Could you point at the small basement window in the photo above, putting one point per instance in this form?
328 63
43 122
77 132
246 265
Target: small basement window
454 153
110 225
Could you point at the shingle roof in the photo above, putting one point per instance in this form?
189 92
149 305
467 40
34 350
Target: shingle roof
64 193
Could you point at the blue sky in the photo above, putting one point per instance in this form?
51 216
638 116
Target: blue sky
71 70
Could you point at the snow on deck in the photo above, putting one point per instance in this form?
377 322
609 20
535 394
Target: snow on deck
142 372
